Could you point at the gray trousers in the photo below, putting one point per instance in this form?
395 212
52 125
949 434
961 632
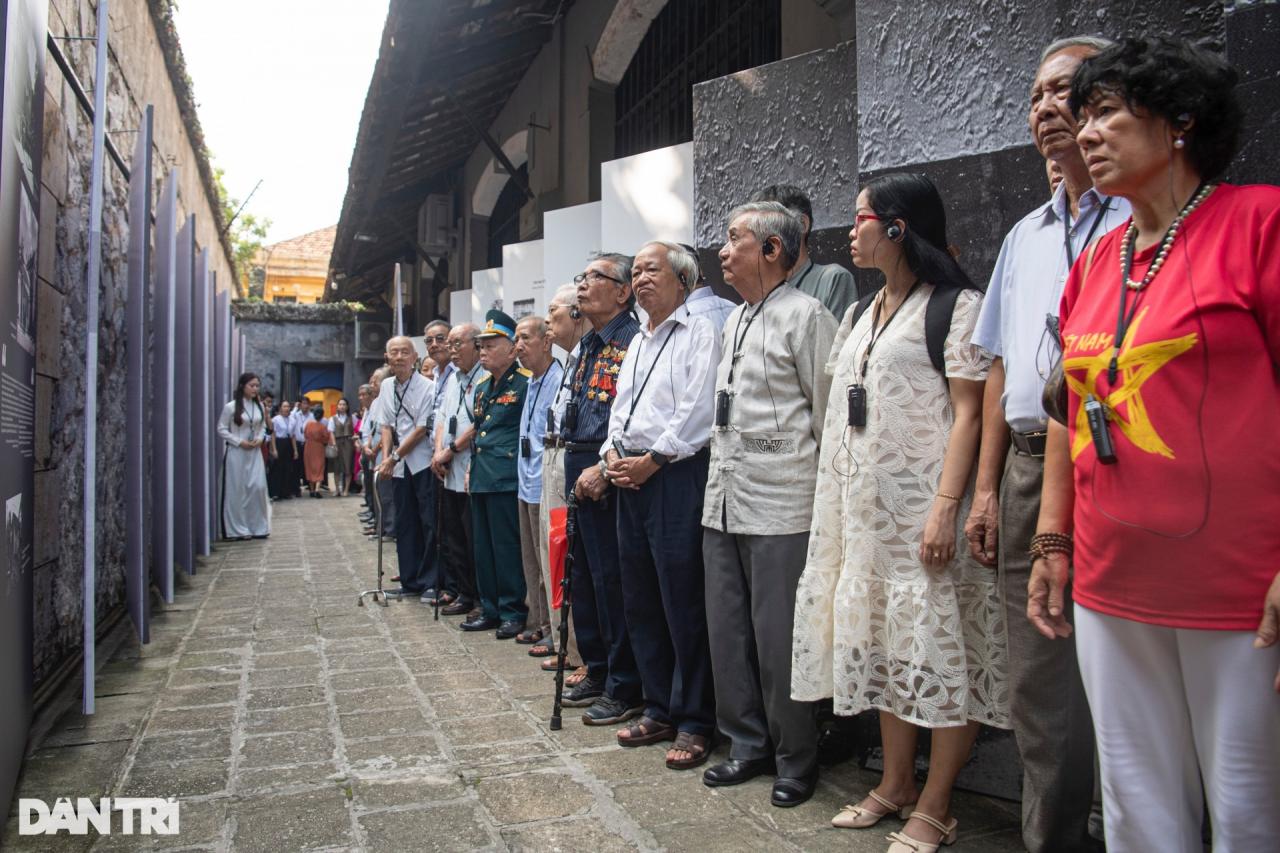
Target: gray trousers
531 557
1049 711
751 601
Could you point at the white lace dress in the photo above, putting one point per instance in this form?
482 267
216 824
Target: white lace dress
873 627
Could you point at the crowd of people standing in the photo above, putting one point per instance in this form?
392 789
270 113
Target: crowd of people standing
1013 506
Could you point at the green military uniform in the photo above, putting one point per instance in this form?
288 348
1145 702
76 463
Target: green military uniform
495 521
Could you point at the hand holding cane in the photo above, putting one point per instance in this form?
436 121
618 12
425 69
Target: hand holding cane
566 590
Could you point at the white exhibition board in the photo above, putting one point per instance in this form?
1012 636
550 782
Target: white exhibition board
460 307
486 293
571 237
523 280
647 197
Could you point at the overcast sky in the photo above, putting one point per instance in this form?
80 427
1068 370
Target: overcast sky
281 84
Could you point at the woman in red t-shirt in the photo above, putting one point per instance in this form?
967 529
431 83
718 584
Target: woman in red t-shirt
1163 490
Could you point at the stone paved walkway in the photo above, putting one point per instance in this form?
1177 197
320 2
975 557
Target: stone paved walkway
285 718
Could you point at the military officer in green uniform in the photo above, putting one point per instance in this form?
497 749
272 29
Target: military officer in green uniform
493 482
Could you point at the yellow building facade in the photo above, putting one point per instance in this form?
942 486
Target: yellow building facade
296 269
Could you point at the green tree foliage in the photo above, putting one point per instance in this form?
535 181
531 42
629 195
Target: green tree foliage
246 235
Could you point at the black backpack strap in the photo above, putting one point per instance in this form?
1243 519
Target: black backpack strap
859 308
937 324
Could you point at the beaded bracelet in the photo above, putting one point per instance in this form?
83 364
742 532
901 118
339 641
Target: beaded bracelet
948 497
1044 544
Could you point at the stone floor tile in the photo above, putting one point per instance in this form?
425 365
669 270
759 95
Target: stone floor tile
442 829
380 793
278 720
309 775
399 721
578 834
291 821
533 796
194 697
282 750
285 697
176 778
192 719
482 730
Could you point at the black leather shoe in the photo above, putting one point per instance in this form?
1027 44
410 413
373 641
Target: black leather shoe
507 630
480 623
791 791
735 771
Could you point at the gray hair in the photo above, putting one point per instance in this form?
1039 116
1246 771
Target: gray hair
621 264
471 330
566 295
434 323
766 219
1097 43
682 262
365 389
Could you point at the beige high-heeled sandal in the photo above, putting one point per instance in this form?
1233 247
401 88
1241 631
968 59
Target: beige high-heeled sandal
903 843
854 816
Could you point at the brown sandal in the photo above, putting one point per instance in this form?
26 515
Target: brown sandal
698 747
576 677
644 731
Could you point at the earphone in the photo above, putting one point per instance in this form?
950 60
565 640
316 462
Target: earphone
893 232
575 313
766 249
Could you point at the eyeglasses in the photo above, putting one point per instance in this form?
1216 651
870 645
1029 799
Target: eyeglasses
595 275
437 339
865 217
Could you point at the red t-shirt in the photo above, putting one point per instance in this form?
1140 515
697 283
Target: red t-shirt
1184 529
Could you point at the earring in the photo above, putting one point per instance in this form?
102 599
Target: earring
1179 143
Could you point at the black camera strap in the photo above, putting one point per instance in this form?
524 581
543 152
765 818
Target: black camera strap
1066 231
533 408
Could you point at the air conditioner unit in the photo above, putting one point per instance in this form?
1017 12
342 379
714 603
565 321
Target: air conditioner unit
435 224
371 338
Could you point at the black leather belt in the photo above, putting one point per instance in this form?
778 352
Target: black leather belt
583 446
1029 443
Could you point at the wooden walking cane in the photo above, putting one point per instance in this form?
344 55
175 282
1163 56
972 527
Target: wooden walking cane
566 591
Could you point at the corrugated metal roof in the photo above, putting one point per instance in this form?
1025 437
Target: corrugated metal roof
439 58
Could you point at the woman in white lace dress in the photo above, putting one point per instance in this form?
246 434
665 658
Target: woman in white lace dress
889 613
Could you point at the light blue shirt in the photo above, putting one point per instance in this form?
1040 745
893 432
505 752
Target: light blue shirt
1026 287
703 302
533 427
458 401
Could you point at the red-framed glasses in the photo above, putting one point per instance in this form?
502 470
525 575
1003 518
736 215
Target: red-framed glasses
865 217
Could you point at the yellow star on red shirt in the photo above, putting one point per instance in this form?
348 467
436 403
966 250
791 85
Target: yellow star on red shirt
1125 405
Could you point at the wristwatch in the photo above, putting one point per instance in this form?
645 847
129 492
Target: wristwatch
659 459
604 469
395 456
453 448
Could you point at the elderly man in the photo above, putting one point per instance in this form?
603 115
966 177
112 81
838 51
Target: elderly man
830 284
454 431
533 349
612 686
493 479
657 459
566 326
1049 712
771 396
404 405
437 367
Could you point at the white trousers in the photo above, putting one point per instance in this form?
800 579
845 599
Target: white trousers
1172 706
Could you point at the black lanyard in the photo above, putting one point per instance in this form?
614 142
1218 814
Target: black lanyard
875 321
400 395
528 422
462 395
1066 230
740 334
635 399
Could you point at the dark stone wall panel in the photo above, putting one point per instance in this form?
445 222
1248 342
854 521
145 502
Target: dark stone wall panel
984 195
1252 35
793 121
949 80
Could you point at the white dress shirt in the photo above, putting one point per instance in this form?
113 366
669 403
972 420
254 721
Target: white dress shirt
666 388
282 426
704 302
405 408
